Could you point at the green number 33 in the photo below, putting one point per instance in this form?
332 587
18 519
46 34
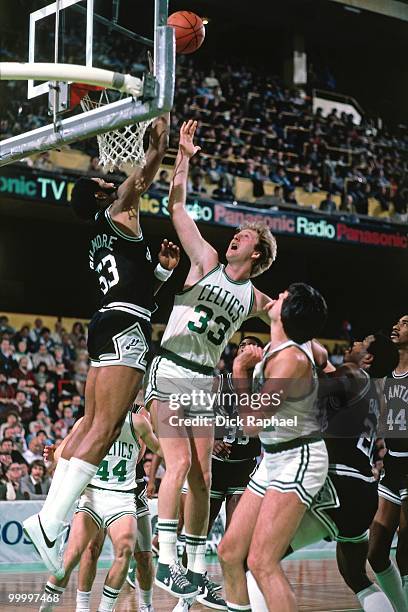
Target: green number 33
206 315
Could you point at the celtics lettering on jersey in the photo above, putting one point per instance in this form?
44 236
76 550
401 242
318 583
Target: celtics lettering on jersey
117 470
206 315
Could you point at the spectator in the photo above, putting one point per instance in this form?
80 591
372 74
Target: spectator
41 375
7 361
23 406
22 351
35 333
46 339
7 393
36 484
43 356
195 185
43 162
5 327
77 332
328 204
12 419
10 489
7 445
34 451
23 370
223 192
163 181
5 461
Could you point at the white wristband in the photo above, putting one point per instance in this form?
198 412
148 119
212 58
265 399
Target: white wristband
161 273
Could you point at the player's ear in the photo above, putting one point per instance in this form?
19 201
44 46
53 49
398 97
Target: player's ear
255 255
368 359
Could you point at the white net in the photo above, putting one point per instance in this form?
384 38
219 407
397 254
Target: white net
119 147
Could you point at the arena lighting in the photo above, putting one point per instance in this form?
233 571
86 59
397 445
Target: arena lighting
205 20
352 9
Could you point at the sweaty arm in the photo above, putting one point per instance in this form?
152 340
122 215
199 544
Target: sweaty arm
280 372
125 209
258 308
144 429
202 255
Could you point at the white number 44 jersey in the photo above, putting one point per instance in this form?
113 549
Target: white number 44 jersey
117 470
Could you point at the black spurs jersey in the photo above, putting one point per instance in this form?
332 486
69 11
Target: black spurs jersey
243 447
352 414
122 264
395 426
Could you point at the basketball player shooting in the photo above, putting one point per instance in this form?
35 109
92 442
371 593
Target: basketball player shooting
213 305
119 334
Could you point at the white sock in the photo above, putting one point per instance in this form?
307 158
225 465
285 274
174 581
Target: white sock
168 540
78 475
195 547
232 607
109 599
145 597
57 480
372 599
54 593
83 601
390 582
255 594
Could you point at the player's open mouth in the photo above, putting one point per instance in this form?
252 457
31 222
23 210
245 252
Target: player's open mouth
234 247
394 334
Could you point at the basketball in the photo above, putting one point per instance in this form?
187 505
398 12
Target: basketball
189 29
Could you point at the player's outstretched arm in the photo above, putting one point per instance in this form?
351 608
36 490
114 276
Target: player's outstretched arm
125 208
144 429
201 254
169 258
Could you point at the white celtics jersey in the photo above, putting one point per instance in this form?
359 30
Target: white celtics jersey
205 316
295 417
117 470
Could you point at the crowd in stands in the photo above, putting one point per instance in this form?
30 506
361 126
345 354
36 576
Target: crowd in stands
42 389
251 126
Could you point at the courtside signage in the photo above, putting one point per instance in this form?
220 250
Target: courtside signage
31 184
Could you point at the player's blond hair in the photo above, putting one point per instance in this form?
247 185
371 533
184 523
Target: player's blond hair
266 246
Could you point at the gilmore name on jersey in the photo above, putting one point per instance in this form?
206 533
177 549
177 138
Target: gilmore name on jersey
122 263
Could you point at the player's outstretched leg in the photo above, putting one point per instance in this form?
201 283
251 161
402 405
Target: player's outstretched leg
351 561
382 533
233 550
176 450
402 548
123 533
141 567
83 530
196 515
87 571
114 391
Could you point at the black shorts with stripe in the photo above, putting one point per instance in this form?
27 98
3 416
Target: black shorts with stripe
142 506
358 505
119 338
394 484
230 478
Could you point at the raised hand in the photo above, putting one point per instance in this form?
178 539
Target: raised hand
186 143
169 255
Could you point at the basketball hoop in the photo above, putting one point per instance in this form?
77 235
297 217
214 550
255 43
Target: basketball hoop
118 147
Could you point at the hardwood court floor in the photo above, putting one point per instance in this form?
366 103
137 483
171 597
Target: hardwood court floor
317 584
